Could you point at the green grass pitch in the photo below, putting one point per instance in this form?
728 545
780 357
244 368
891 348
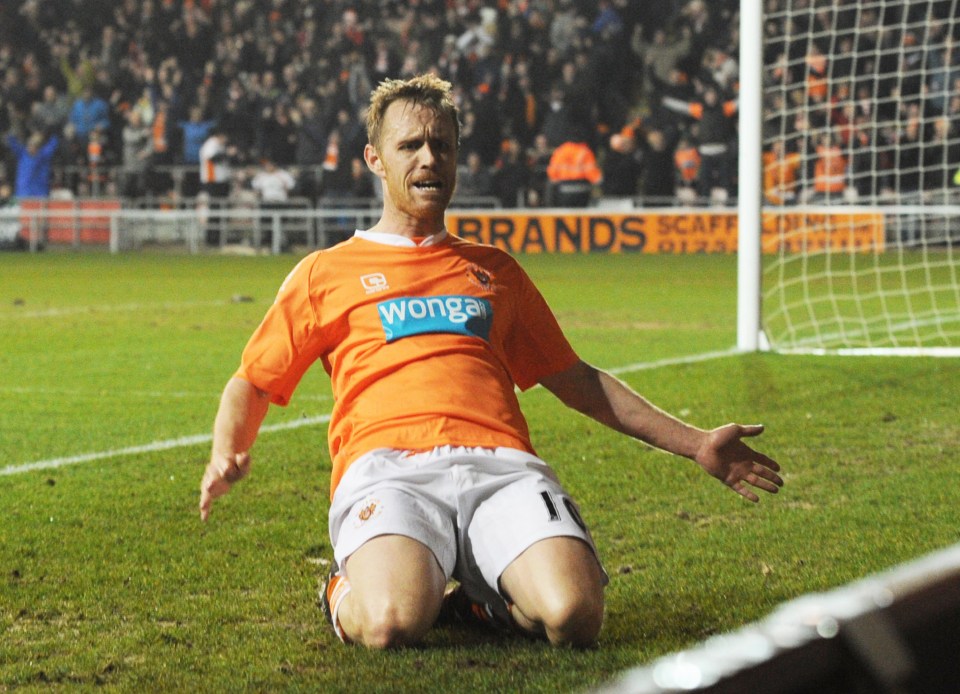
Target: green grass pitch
107 577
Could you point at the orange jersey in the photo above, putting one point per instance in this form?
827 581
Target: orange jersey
780 175
424 344
829 173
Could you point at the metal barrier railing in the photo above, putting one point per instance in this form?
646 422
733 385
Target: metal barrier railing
195 222
270 229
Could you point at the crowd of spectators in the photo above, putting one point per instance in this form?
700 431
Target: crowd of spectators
863 103
650 88
288 79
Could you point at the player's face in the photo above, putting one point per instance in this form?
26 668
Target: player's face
416 159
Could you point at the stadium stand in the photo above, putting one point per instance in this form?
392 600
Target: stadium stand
287 79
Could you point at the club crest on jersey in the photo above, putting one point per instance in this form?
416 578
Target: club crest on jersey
422 315
480 277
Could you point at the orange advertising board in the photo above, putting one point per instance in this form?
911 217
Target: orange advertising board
663 231
794 232
62 223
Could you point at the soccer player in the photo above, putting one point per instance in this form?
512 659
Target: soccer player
425 337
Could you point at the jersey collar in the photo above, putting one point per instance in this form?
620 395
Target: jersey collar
397 240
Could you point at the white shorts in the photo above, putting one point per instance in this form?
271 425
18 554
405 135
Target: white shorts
477 509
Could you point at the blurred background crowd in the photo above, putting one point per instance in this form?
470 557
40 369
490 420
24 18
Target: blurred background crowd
637 99
862 100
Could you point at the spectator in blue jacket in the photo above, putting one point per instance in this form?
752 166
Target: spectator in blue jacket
88 113
195 133
33 165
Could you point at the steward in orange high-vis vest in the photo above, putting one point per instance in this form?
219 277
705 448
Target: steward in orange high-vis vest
572 173
574 161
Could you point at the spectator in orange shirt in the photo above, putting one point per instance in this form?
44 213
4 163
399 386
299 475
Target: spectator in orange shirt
686 161
830 169
780 174
816 78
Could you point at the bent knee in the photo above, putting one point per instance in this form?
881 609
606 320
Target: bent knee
386 635
573 622
390 625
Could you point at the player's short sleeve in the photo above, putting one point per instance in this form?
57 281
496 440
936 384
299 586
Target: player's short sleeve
287 341
535 345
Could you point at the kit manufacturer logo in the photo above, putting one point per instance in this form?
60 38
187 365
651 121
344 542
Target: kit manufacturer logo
374 282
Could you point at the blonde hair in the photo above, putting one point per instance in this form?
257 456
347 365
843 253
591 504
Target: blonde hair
423 90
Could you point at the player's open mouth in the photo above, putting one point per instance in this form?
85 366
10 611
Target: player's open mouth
428 185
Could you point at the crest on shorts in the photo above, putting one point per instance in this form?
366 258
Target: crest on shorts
370 509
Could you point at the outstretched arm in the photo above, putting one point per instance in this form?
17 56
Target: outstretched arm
687 108
720 452
15 145
242 409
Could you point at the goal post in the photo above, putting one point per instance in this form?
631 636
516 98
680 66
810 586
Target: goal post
750 179
849 199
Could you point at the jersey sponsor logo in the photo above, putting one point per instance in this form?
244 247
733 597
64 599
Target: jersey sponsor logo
461 315
374 282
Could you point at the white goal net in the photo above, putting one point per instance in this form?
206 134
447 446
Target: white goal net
861 176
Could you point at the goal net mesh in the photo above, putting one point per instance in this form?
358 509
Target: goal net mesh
861 175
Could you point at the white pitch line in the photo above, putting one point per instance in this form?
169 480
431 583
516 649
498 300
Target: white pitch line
180 442
78 393
160 394
296 424
55 312
660 363
674 361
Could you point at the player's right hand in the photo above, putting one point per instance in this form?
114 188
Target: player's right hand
219 477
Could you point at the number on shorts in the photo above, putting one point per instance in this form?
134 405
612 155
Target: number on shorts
568 504
551 506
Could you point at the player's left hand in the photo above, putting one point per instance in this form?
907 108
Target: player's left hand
221 473
725 456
